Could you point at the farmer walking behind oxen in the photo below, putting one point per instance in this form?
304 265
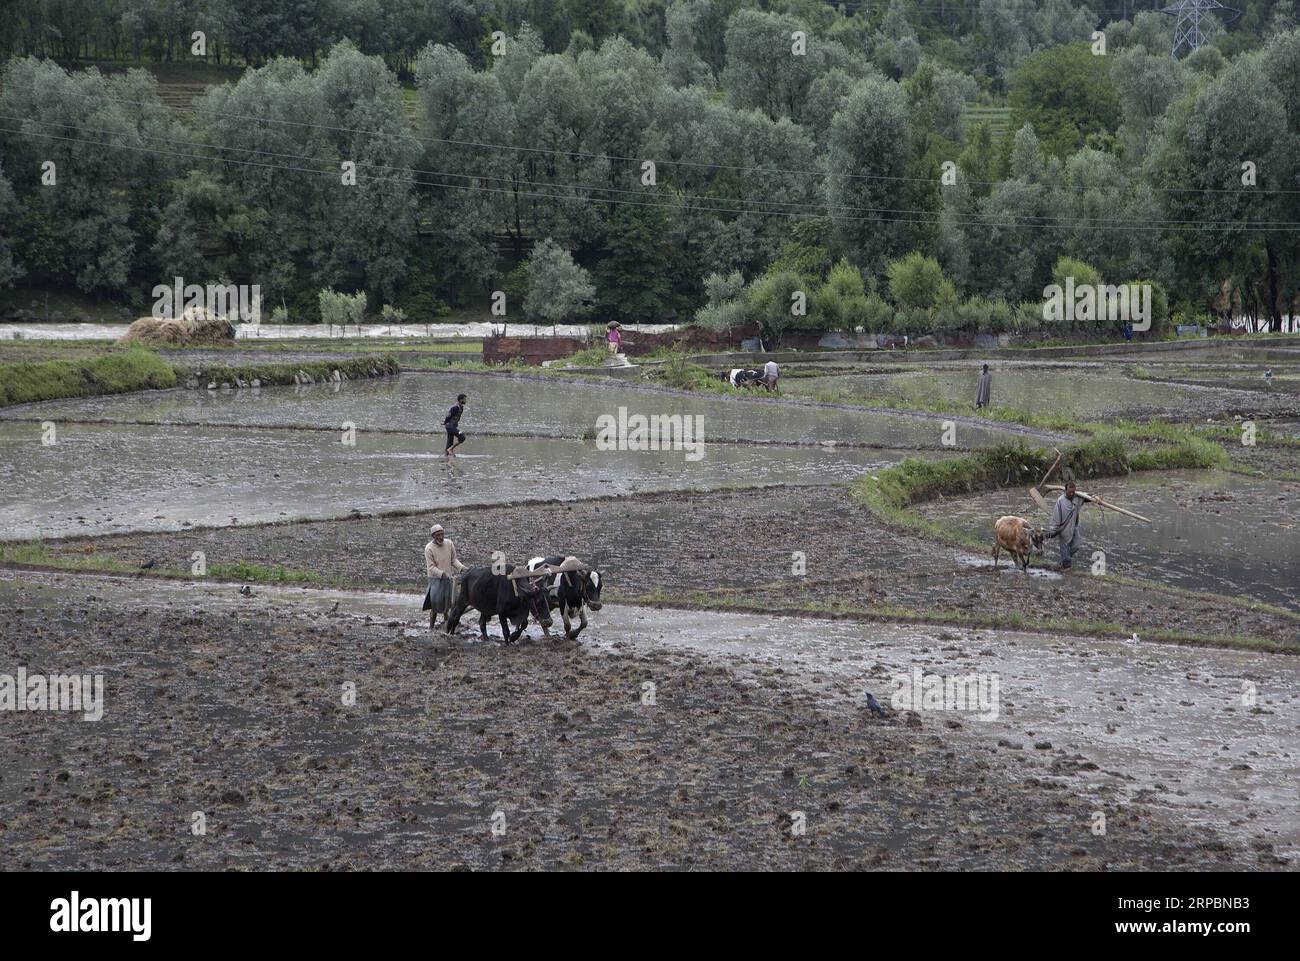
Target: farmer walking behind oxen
441 563
451 423
771 374
984 389
1065 523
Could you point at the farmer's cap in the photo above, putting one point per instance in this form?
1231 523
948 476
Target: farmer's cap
435 529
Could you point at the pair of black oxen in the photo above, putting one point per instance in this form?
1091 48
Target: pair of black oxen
545 584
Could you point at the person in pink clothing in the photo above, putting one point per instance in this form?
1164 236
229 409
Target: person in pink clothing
615 339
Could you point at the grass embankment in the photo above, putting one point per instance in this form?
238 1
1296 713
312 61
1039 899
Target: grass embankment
1109 453
270 374
36 554
112 373
122 370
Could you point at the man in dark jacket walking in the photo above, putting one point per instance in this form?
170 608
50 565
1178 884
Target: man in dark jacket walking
451 423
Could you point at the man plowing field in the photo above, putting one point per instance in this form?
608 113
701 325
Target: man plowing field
1065 523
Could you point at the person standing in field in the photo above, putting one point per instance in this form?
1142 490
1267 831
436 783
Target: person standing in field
441 563
771 374
1065 523
451 424
615 338
984 389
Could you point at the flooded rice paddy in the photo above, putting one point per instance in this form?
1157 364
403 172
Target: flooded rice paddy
106 478
1210 530
511 405
1080 392
1115 721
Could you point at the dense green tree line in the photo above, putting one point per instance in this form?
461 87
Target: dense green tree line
697 159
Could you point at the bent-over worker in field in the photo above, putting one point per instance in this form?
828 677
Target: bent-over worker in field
1065 523
451 423
771 374
984 389
441 563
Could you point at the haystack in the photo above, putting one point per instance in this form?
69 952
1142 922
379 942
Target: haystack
194 327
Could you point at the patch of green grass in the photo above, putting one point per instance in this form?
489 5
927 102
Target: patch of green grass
890 492
678 372
115 372
36 554
591 357
261 574
269 374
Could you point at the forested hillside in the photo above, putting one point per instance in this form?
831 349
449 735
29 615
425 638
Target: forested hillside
908 166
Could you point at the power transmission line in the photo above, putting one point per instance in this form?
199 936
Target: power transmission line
552 151
807 206
1048 223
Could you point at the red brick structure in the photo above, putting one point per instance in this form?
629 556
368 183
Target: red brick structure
689 338
529 350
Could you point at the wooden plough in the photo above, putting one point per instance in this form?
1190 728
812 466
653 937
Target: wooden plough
546 570
570 564
1033 491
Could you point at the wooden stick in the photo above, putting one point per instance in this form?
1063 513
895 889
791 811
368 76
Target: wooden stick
1093 498
545 570
1033 491
1059 455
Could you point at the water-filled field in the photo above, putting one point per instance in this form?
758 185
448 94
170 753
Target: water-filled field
1082 393
512 405
1210 530
102 478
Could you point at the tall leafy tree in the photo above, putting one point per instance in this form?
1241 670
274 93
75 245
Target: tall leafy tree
72 132
558 289
866 159
9 269
633 278
1068 95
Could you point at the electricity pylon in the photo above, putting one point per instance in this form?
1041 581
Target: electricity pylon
1189 29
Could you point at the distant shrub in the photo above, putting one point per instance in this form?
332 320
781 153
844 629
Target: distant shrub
337 309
